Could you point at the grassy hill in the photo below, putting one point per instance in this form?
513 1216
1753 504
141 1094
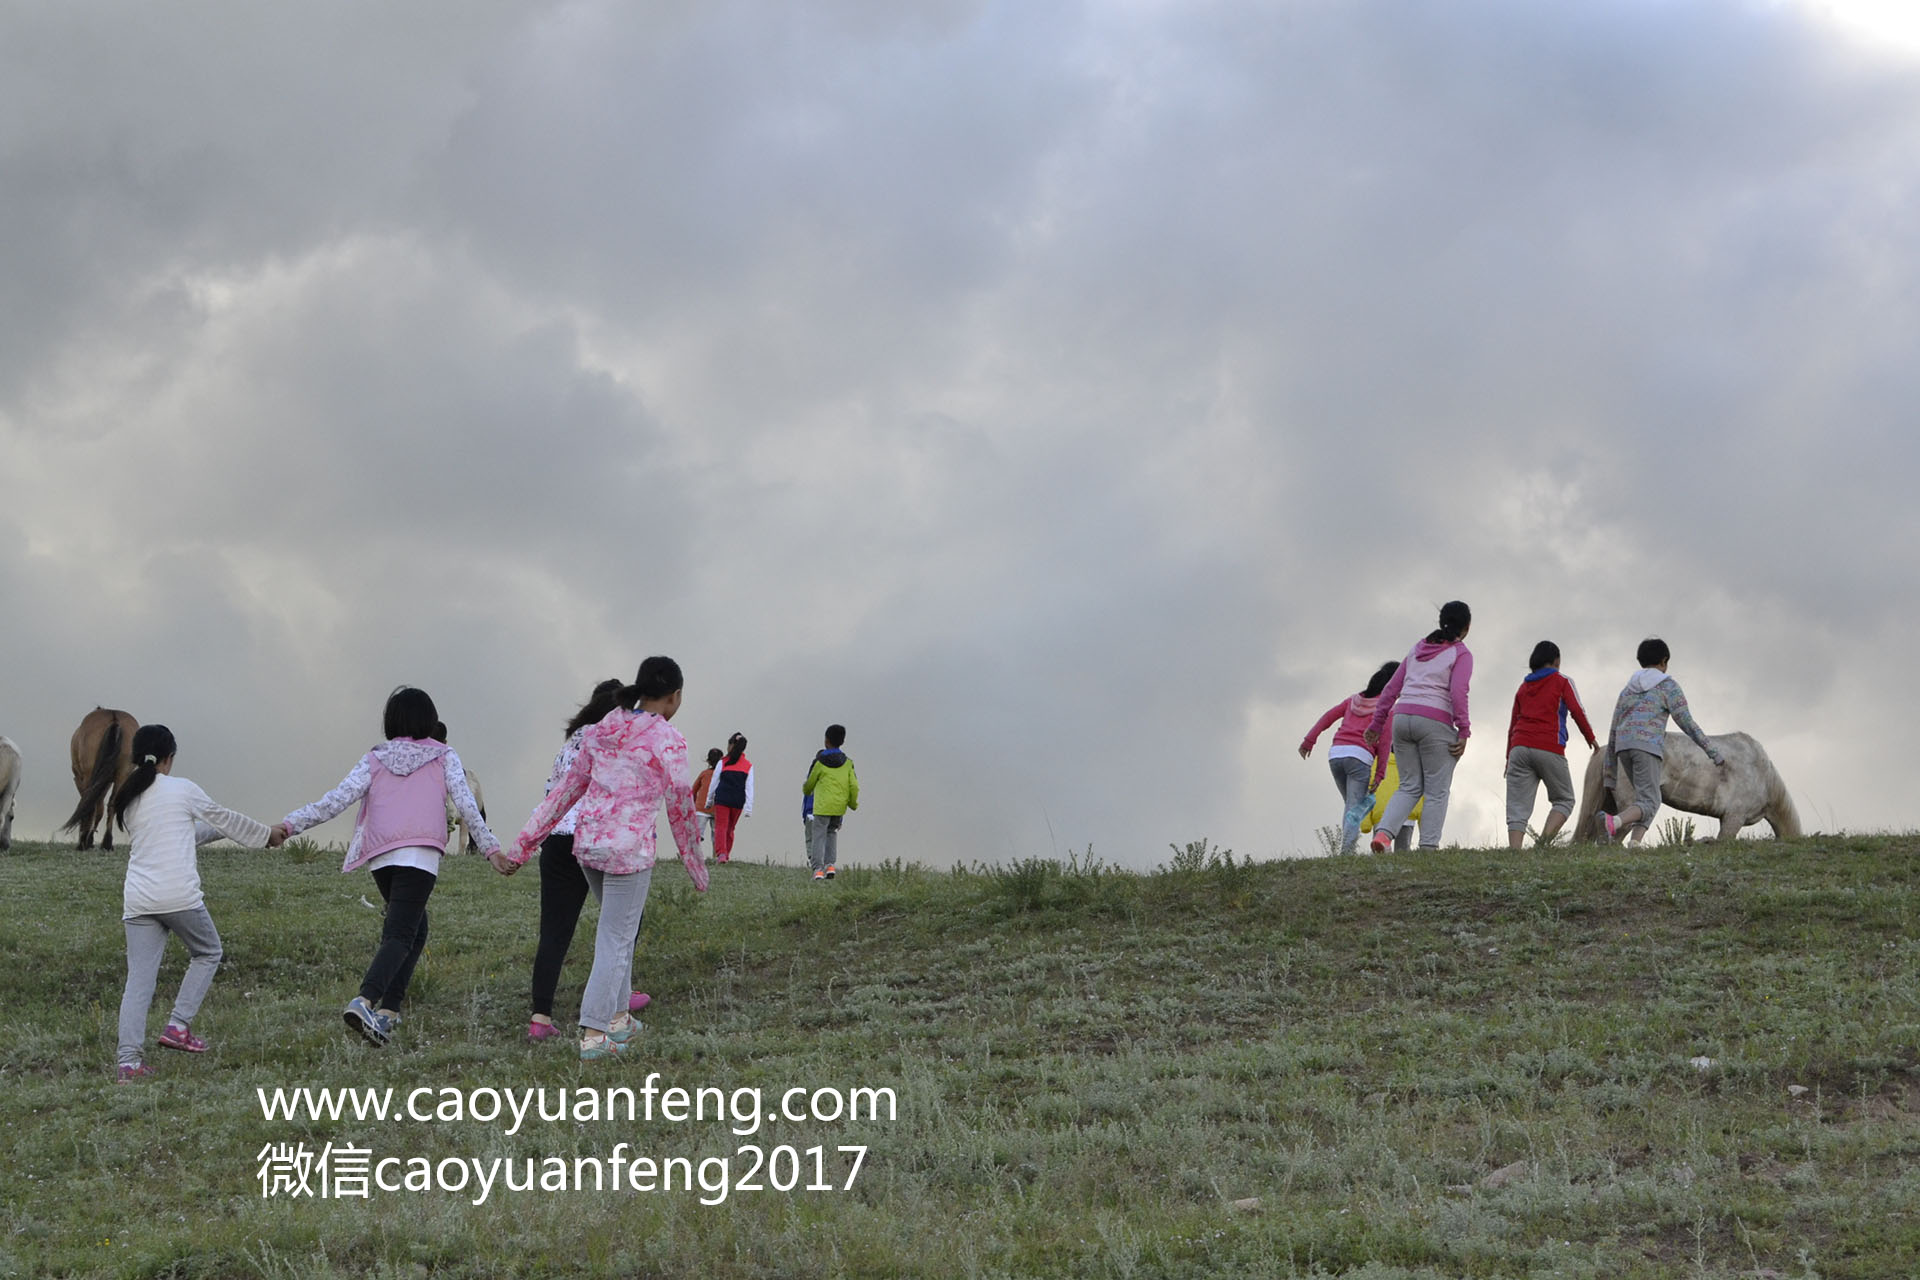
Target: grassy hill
1475 1063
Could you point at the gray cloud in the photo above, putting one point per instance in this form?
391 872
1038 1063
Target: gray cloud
1074 400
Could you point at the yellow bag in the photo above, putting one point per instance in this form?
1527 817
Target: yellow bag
1388 785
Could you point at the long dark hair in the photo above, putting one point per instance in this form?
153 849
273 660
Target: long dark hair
152 743
736 747
1545 654
658 676
1379 679
604 698
1454 620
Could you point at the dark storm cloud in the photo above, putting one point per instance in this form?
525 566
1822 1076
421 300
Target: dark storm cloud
1074 400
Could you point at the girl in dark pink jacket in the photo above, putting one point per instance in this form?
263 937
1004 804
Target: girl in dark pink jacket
1357 768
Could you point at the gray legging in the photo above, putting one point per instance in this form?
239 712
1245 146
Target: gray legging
1426 769
1350 777
622 900
146 942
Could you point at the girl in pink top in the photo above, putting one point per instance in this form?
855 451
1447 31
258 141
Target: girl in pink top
1356 769
1427 702
627 763
403 786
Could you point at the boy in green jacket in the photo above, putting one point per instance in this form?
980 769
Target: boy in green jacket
835 791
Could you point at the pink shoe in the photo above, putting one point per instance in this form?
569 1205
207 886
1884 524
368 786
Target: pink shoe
1381 842
181 1038
638 1001
137 1071
538 1031
1608 825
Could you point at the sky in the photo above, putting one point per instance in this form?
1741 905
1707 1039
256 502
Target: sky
1074 400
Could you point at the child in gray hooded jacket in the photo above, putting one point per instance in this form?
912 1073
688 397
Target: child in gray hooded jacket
1636 743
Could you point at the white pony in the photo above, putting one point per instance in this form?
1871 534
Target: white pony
9 788
1748 790
457 838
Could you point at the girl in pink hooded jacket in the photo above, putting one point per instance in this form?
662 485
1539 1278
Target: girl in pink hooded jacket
627 763
1427 702
403 786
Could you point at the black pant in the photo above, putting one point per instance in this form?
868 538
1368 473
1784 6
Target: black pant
403 934
563 892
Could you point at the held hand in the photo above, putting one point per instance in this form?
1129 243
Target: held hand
502 863
276 835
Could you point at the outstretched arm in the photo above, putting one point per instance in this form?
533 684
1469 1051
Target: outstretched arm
1677 708
682 816
353 787
547 814
215 820
1320 726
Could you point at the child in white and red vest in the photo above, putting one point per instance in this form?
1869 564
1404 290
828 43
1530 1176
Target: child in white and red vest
403 786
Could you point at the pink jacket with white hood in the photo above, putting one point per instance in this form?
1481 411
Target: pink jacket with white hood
404 784
1432 682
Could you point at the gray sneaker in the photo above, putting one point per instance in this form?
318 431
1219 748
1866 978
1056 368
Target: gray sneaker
368 1021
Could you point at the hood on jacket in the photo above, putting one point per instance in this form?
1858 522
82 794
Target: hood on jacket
402 756
832 758
1426 649
1645 678
1541 674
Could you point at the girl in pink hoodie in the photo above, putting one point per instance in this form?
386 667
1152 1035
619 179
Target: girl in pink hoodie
1356 766
1427 702
627 763
403 786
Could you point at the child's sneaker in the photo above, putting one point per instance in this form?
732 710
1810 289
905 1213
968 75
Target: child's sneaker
538 1031
829 872
1381 842
623 1032
368 1021
819 873
1608 824
597 1047
134 1071
181 1038
638 1001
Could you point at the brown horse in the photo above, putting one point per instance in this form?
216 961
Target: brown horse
102 751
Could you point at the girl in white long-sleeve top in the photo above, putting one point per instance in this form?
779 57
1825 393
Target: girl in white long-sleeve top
166 819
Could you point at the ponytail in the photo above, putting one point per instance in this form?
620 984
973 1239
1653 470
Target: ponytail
658 677
736 747
604 698
152 743
1455 617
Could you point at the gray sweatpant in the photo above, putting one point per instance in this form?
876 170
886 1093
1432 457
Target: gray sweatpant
1426 769
1350 776
823 840
1527 768
622 899
1637 775
146 943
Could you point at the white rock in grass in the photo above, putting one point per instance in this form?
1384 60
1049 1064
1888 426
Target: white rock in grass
1250 1205
1506 1173
1798 1090
1703 1063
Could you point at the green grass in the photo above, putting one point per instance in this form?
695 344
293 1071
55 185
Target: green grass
1091 1067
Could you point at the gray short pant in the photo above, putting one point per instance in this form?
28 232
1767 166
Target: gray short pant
1638 773
1527 768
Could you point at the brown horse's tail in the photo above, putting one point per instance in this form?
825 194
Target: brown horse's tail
1781 815
106 763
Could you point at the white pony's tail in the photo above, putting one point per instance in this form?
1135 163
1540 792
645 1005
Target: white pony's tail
1781 815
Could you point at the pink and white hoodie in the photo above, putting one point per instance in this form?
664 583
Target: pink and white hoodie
404 784
626 765
1432 682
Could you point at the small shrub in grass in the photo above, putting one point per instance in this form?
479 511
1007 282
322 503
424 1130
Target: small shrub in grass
1677 831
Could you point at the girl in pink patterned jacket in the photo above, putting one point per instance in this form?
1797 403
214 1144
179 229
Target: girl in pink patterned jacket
626 764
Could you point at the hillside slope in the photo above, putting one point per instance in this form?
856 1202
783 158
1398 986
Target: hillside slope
1598 1063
